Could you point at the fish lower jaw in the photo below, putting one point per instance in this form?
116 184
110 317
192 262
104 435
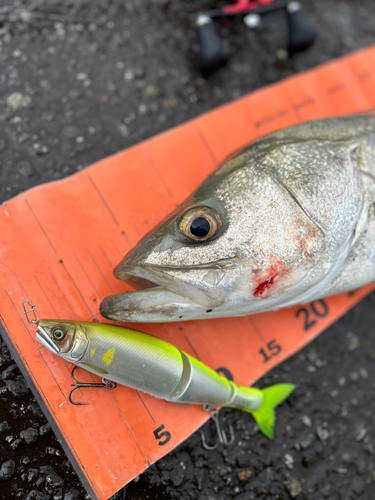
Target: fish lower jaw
160 305
152 305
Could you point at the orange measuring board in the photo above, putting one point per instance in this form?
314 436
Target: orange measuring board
60 241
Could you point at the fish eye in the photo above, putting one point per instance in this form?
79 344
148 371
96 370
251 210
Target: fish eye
200 223
58 334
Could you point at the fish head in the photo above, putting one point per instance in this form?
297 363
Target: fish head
67 339
237 245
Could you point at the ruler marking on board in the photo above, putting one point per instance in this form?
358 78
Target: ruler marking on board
44 293
19 315
192 347
40 225
121 255
106 256
144 404
24 290
138 231
41 352
75 286
207 145
53 293
258 332
293 105
118 282
104 201
130 429
62 293
161 177
123 233
88 277
100 271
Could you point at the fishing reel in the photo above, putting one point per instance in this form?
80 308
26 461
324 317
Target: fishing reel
214 53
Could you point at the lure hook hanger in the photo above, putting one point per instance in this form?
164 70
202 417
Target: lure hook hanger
221 434
108 384
29 313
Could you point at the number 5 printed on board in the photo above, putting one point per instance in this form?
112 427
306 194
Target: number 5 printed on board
159 433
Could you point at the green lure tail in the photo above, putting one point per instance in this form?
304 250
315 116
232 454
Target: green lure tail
272 397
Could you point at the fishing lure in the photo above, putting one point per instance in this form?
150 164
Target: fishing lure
288 220
151 365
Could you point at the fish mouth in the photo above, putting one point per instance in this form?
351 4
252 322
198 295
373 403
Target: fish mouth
44 338
146 276
167 293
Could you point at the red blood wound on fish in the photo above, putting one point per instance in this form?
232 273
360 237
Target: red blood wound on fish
263 286
269 278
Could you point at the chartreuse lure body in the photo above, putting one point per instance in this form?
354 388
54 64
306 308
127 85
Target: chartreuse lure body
151 365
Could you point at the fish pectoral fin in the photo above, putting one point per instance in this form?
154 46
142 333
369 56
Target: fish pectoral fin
272 397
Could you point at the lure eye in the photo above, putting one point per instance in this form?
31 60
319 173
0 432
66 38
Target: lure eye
58 334
200 223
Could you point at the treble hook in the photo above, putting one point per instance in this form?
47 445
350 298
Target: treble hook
108 384
222 437
31 311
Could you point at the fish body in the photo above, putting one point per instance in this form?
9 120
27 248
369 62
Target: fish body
288 220
151 365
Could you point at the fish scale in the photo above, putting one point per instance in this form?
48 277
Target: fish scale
296 212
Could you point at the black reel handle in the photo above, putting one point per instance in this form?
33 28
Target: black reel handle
213 52
301 35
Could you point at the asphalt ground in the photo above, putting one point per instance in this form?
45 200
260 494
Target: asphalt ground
99 76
